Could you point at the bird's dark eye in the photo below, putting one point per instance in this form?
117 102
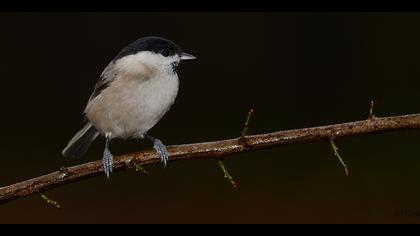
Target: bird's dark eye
165 52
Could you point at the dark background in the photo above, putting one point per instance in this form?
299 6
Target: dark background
296 69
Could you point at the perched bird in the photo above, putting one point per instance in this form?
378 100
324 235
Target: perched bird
133 93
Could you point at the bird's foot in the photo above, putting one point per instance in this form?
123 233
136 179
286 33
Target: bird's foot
160 149
107 162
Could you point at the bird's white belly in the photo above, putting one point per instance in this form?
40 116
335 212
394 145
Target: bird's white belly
129 107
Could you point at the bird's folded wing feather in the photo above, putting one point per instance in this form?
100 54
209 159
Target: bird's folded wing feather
108 75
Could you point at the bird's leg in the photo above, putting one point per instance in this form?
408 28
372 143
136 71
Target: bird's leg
160 148
107 158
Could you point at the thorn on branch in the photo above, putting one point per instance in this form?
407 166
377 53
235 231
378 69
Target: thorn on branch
140 168
337 154
371 115
226 174
49 201
246 127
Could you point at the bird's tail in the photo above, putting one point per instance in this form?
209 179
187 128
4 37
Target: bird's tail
80 143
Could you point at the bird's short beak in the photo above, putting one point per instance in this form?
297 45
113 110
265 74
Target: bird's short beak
187 56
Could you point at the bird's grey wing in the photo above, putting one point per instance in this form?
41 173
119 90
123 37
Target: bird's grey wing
108 75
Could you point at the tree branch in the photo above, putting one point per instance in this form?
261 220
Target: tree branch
215 150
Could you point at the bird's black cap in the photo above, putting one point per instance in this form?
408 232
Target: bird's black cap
150 43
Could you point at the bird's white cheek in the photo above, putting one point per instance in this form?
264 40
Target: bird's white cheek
133 66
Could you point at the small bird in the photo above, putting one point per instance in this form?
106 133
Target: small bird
133 93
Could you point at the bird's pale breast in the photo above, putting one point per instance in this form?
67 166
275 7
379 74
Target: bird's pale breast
131 106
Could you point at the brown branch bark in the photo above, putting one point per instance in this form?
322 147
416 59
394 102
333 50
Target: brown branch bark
215 150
